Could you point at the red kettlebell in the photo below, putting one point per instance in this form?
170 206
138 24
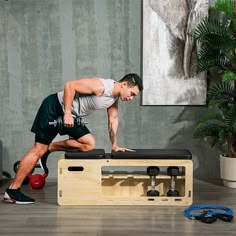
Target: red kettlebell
37 181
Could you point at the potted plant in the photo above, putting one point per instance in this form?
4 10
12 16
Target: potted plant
217 48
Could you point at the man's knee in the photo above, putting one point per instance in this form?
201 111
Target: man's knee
40 149
88 143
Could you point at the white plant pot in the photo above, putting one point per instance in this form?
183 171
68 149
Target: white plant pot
228 171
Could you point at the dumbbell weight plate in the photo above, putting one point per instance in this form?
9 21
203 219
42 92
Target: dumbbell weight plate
173 193
153 193
153 170
60 122
173 171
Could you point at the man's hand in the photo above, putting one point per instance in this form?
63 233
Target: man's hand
122 149
68 120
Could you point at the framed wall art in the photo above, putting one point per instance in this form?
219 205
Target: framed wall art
169 56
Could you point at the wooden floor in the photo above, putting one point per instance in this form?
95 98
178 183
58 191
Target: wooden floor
45 217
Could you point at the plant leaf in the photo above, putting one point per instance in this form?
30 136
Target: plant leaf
207 129
223 92
216 44
229 76
210 116
226 6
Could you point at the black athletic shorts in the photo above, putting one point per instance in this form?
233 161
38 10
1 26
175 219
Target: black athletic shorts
49 110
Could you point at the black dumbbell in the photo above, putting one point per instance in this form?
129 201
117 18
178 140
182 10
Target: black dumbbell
172 171
59 122
153 171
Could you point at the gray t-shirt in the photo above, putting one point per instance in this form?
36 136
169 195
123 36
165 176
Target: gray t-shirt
85 104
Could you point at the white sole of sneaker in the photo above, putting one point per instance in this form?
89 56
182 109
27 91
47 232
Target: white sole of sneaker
6 198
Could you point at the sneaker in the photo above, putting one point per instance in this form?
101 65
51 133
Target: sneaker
15 196
43 162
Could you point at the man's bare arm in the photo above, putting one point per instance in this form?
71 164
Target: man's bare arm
113 123
82 86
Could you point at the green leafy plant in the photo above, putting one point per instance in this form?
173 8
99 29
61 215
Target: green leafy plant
217 47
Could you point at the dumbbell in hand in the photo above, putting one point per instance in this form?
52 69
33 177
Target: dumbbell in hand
60 124
153 171
172 171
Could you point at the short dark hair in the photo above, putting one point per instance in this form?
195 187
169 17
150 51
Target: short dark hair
133 80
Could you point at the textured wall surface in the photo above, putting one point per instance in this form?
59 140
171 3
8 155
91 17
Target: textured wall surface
44 43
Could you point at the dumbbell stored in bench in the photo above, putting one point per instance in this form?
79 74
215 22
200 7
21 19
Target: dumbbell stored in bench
60 124
173 172
153 171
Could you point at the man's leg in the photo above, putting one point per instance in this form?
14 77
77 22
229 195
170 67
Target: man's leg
27 164
13 194
84 144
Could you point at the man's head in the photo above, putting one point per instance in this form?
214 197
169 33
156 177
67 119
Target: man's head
131 85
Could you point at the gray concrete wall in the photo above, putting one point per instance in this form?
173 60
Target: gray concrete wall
44 43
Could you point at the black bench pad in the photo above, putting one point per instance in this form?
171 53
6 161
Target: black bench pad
169 154
93 154
174 154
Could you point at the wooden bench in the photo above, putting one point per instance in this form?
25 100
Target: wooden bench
120 178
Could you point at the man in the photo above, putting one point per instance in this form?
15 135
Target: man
79 98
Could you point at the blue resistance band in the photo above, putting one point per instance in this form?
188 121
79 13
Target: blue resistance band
209 210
